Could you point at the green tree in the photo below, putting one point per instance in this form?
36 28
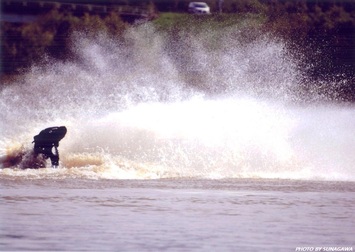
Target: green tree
50 35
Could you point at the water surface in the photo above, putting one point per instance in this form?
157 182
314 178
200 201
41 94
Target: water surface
175 215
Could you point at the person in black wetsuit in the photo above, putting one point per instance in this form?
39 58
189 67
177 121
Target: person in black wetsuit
48 139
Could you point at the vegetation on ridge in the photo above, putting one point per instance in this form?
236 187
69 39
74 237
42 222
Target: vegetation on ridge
327 27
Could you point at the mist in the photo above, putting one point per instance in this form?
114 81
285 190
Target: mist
203 104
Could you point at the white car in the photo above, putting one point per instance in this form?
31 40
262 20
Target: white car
199 8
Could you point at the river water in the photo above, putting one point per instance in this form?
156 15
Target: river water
175 215
178 145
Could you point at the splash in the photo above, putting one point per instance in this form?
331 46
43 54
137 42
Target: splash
198 105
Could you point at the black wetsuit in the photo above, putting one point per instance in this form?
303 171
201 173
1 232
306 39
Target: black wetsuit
48 139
